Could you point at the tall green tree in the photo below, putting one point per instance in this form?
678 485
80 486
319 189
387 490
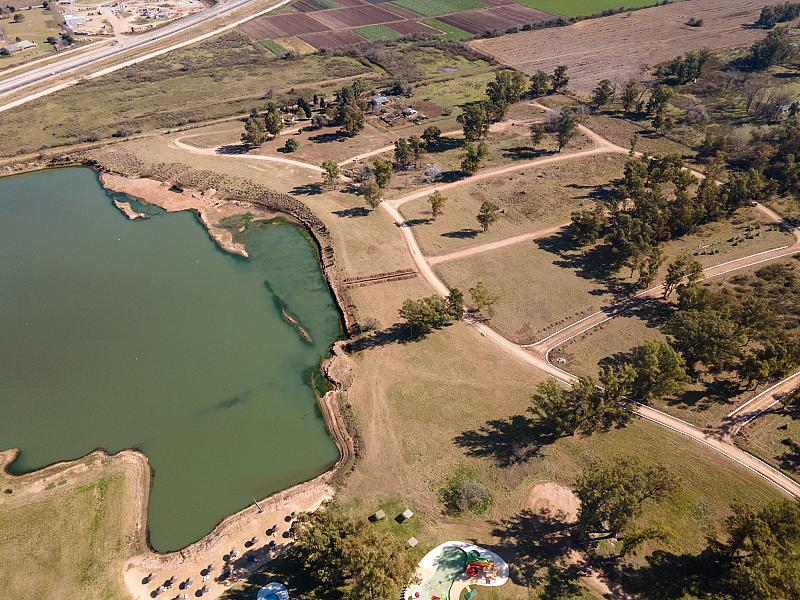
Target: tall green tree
537 135
566 127
254 132
560 79
432 136
382 171
403 156
475 121
603 93
437 202
506 89
681 272
482 298
331 173
473 155
488 214
612 494
659 370
540 84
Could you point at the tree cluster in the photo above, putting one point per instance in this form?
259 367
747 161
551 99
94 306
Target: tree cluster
343 559
773 14
433 312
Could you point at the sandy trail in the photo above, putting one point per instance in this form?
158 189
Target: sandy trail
488 247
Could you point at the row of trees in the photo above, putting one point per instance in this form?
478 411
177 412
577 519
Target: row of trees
423 315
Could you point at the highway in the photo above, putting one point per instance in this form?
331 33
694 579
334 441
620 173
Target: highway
121 45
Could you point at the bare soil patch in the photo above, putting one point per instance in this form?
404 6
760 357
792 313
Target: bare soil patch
629 44
552 499
500 18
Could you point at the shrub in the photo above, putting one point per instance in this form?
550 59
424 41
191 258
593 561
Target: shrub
291 145
463 493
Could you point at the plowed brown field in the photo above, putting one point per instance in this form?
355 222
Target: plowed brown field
627 45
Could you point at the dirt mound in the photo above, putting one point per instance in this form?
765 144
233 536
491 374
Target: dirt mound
552 499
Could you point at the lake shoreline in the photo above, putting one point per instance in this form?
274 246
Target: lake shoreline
303 496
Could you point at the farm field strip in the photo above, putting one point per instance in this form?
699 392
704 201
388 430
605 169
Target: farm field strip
358 20
583 8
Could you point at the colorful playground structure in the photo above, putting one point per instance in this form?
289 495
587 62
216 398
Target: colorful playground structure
451 568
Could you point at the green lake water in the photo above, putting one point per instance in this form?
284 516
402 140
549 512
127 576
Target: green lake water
143 334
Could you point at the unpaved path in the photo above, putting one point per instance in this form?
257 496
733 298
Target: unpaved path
488 247
748 412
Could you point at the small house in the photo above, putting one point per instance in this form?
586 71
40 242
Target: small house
380 101
73 21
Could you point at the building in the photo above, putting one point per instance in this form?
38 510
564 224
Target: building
380 101
73 21
18 47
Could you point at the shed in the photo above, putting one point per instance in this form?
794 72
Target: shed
19 46
380 101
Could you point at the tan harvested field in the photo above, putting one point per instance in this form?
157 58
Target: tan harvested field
531 200
627 45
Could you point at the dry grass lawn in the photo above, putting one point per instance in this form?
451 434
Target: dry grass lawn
531 200
69 538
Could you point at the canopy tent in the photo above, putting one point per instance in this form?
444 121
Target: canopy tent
273 591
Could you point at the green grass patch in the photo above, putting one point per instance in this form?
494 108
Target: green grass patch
432 8
327 4
450 33
274 47
376 33
583 8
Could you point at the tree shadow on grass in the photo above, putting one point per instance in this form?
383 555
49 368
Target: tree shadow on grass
790 459
532 544
307 189
233 149
446 143
399 333
462 234
524 153
281 569
595 263
507 441
326 138
356 211
668 576
716 391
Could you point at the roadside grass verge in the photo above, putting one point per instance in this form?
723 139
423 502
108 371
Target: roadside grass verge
450 33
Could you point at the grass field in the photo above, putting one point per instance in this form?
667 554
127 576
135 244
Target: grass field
274 47
378 33
450 33
775 438
580 8
39 24
226 75
433 8
69 539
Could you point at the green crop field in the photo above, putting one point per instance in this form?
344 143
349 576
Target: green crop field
451 34
274 47
378 32
433 8
581 8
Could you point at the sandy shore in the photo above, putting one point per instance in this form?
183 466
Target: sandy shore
211 210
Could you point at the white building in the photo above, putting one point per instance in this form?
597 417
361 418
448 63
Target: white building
73 21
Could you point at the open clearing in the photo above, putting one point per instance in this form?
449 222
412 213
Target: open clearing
627 45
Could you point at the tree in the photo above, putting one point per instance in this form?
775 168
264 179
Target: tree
659 371
540 84
613 494
331 173
587 225
566 127
775 49
482 298
254 132
475 121
437 201
19 17
473 155
707 335
417 147
659 97
426 314
351 118
371 192
489 213
684 271
273 121
631 95
560 78
305 107
455 304
508 87
648 268
342 558
537 135
603 93
402 153
432 136
761 555
291 145
382 170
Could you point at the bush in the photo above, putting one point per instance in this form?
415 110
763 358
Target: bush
291 145
463 493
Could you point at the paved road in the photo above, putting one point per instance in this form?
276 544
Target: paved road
122 46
